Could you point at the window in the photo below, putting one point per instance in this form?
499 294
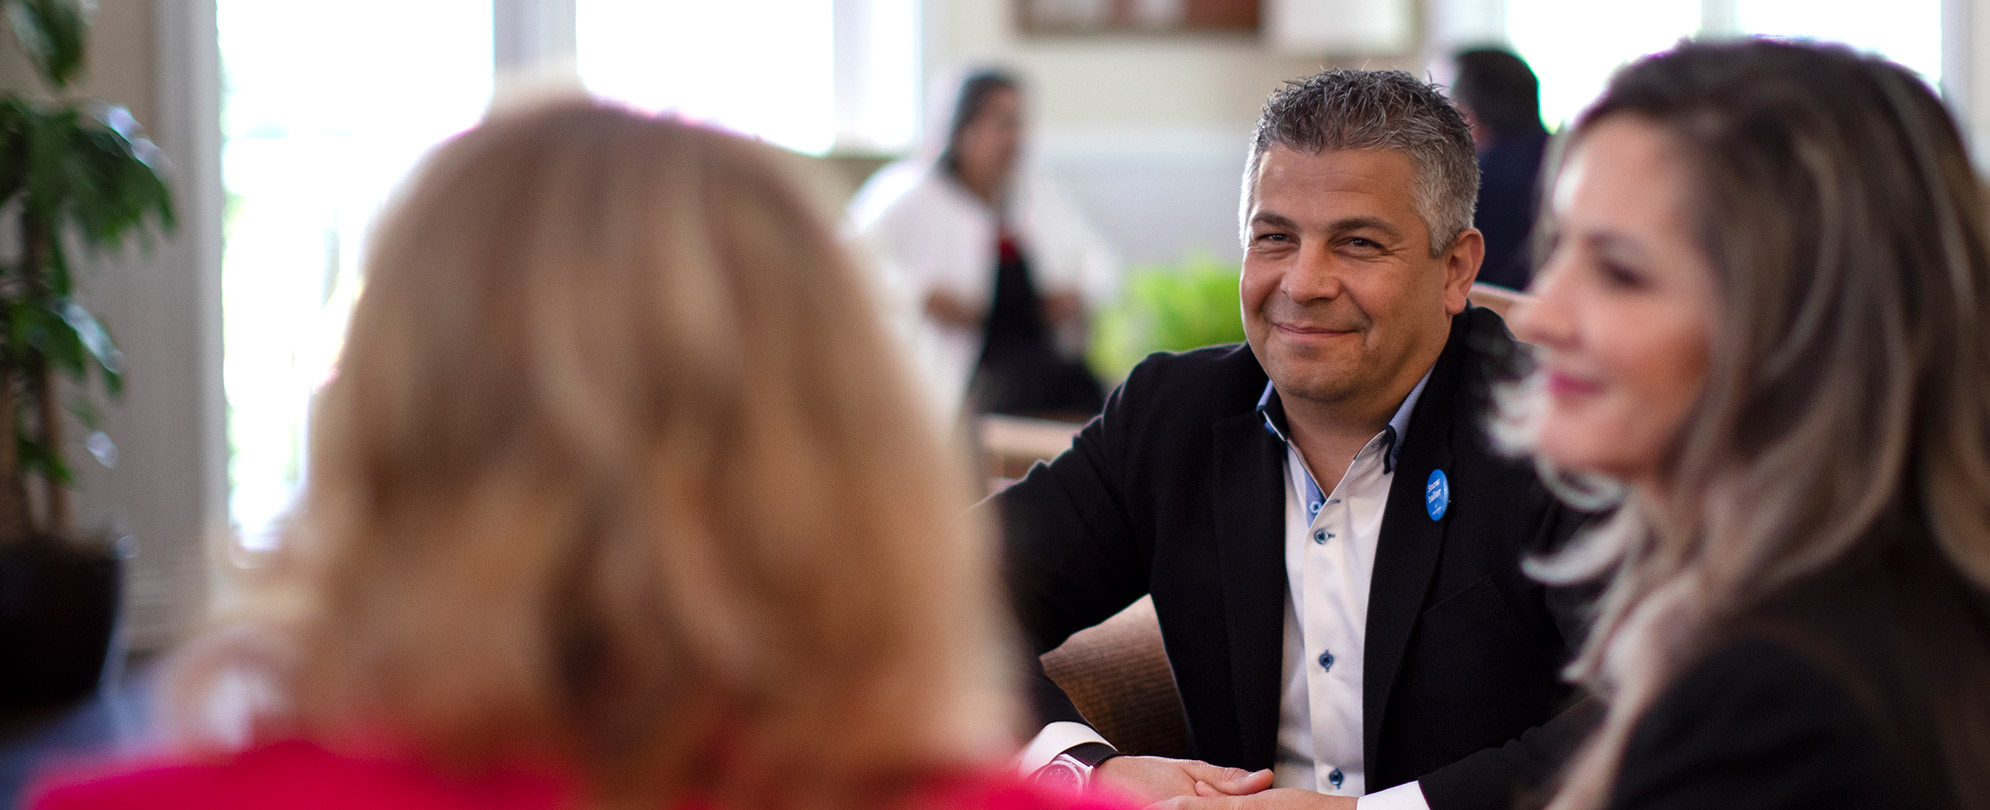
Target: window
763 67
1574 45
1906 31
325 107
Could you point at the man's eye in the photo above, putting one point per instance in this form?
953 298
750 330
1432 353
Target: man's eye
1269 237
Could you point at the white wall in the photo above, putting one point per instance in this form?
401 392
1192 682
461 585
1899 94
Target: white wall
1148 131
1185 81
1966 63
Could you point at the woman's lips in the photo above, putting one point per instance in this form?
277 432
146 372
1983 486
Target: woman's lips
1565 385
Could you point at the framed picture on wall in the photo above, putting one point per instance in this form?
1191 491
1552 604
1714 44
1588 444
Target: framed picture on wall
1137 16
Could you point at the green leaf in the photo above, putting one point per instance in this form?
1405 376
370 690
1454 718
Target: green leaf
112 180
47 169
51 32
86 413
68 339
36 457
57 340
55 275
20 317
142 165
41 336
14 112
97 341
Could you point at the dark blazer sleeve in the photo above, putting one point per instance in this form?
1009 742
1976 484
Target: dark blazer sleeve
1755 726
1521 770
1513 773
1070 559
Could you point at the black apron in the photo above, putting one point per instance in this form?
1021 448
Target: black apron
1020 372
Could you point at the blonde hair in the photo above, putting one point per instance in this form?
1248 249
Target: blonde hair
1851 253
620 470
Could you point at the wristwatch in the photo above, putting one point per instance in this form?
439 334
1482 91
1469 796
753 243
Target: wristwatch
1072 770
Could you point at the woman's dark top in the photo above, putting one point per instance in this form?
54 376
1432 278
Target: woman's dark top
1828 697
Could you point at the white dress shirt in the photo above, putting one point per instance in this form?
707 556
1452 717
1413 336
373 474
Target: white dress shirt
1330 541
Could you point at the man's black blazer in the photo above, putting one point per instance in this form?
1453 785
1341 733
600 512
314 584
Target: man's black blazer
1176 489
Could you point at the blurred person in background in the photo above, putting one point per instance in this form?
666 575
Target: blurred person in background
1765 318
999 265
619 499
1501 99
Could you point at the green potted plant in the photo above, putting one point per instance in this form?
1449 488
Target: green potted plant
1166 309
74 173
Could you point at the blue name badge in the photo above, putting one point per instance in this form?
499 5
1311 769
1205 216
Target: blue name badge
1437 494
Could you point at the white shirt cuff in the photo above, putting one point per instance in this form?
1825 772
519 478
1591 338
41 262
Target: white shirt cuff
1406 796
1055 739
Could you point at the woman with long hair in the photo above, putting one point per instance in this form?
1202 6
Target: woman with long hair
1766 319
620 498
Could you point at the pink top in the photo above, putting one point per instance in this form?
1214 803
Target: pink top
303 776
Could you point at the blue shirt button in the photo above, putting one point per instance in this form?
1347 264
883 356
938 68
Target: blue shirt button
1327 661
1315 508
1321 536
1335 778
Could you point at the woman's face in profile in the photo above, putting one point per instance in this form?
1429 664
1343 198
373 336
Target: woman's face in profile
1624 307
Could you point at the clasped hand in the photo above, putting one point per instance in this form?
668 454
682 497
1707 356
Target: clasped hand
1187 784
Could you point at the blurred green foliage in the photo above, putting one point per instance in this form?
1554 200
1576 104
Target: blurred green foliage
1166 308
73 172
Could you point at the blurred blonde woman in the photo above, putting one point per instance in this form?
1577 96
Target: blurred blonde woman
620 499
1767 315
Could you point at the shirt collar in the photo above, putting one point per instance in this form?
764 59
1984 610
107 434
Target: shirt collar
1273 411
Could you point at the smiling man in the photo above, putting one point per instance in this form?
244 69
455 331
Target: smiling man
1332 547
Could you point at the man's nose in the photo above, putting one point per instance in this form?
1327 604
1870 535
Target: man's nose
1315 275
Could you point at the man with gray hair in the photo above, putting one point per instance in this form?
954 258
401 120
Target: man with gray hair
1332 547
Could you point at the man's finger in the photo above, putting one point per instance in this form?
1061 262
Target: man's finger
1232 781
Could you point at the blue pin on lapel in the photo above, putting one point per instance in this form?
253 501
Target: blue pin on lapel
1437 494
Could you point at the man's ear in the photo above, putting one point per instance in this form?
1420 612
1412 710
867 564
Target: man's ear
1461 268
